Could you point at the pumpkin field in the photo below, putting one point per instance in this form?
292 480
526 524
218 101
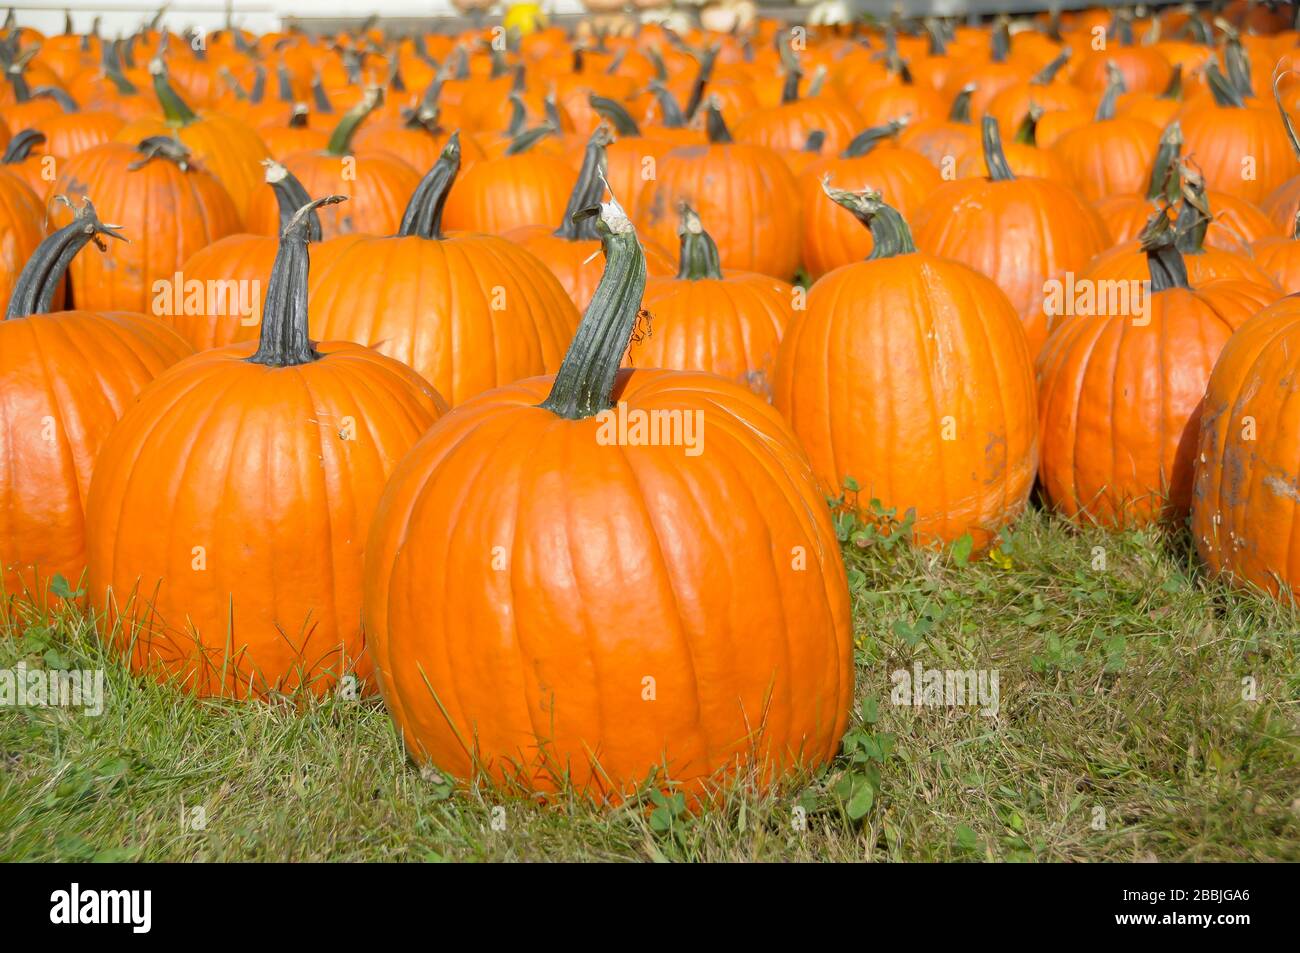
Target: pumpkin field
713 434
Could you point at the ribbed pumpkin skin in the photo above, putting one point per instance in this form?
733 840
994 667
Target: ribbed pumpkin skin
169 214
68 377
1221 138
1111 157
497 195
885 351
1279 258
1020 233
1245 490
578 265
609 579
1133 467
430 304
225 146
747 194
831 235
731 327
255 465
71 134
22 220
788 125
378 186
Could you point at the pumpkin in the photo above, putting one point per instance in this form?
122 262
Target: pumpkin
1044 89
469 312
1241 150
991 70
293 134
901 98
1022 155
515 635
705 319
1143 68
787 126
377 184
35 169
946 426
1152 357
1279 258
1245 458
256 585
945 142
832 236
1021 232
22 220
173 209
74 130
65 379
1112 154
753 235
1283 202
417 138
571 251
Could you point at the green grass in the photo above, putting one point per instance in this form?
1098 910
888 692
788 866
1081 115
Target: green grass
1121 700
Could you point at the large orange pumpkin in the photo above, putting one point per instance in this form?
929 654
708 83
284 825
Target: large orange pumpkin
1151 355
1021 232
170 207
1247 466
65 379
911 375
705 319
579 631
265 463
468 311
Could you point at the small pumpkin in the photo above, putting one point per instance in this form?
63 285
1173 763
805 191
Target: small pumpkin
1112 155
521 187
275 501
34 168
542 665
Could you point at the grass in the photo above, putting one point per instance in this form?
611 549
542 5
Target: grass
1126 730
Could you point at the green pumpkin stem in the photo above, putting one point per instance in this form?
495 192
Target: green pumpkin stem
42 276
995 158
1174 89
529 138
890 235
616 114
283 341
161 147
112 68
587 191
585 383
21 145
1226 95
175 110
1194 215
868 139
715 126
1048 73
1027 131
340 143
1164 183
1165 262
423 215
290 196
699 258
1237 62
1114 87
960 111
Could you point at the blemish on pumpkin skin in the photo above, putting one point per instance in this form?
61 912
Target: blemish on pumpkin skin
1282 485
995 457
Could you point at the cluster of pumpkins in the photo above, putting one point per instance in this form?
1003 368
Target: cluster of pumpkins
509 373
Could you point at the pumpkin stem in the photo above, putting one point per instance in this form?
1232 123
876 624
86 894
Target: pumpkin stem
1001 41
814 141
706 59
21 145
340 143
937 46
162 147
174 108
1225 93
110 64
1287 123
588 190
1164 260
615 114
585 383
1027 131
283 83
1175 88
423 215
868 139
699 258
715 125
1114 87
960 111
995 158
1048 72
1194 215
283 341
890 235
1164 171
793 72
43 274
15 73
1236 60
672 113
529 138
290 196
320 97
657 61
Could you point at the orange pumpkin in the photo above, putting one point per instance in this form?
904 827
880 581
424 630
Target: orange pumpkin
521 187
303 439
22 221
534 663
33 168
959 447
1113 154
65 379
